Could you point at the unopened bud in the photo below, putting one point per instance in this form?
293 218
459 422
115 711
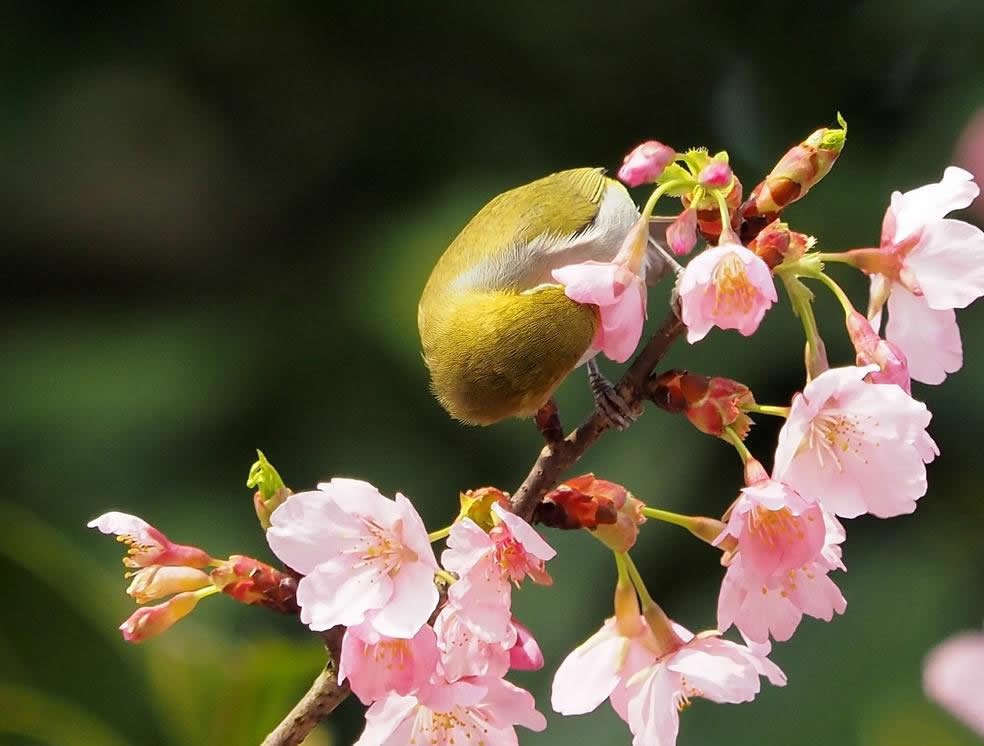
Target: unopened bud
157 581
582 502
712 404
525 655
150 621
270 489
681 235
646 163
873 350
798 171
621 536
755 472
715 175
776 244
255 583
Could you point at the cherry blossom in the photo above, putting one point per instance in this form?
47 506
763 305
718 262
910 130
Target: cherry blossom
774 605
726 286
856 447
953 676
147 545
158 581
376 665
359 552
482 710
150 621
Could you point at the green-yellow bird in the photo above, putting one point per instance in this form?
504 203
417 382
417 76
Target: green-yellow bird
498 334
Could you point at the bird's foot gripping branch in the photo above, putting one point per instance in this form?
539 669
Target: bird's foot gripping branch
426 639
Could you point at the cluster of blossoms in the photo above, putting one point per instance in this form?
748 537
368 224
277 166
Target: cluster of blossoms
427 645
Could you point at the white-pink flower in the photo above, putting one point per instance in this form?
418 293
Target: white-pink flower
927 265
618 289
856 447
465 650
726 286
953 677
376 665
647 686
483 710
359 552
870 349
487 564
777 530
147 545
774 606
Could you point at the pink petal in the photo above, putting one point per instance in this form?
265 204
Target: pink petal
310 527
953 676
413 600
589 282
414 533
389 722
622 322
948 263
525 655
929 338
507 705
927 204
587 676
653 716
525 534
336 593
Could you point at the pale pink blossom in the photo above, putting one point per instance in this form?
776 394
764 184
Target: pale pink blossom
376 665
871 349
158 581
646 163
360 552
487 564
465 648
647 686
953 677
777 530
483 711
726 286
147 545
775 605
855 447
150 621
928 266
681 234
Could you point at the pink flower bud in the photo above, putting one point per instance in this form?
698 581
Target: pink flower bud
525 655
715 175
156 581
150 621
255 583
646 163
682 233
873 350
147 545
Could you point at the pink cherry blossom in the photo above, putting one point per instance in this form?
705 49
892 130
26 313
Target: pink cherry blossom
465 650
873 350
775 605
728 287
953 677
376 665
360 552
150 621
681 234
487 564
855 447
147 545
158 581
645 163
777 530
482 710
928 265
647 686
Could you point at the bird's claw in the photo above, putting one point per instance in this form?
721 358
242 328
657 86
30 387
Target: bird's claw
618 412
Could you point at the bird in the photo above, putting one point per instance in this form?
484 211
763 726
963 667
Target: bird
498 334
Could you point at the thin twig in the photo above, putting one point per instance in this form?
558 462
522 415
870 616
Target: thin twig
320 700
556 458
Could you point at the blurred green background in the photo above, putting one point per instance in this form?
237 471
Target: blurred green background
217 219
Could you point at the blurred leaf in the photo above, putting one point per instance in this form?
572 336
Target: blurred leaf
42 717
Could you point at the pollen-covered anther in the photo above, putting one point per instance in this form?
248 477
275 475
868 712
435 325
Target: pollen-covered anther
733 290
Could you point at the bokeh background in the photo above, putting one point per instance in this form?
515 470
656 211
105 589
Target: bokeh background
216 222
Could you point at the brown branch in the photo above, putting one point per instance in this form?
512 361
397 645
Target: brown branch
320 700
556 458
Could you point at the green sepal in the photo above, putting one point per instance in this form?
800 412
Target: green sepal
264 477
